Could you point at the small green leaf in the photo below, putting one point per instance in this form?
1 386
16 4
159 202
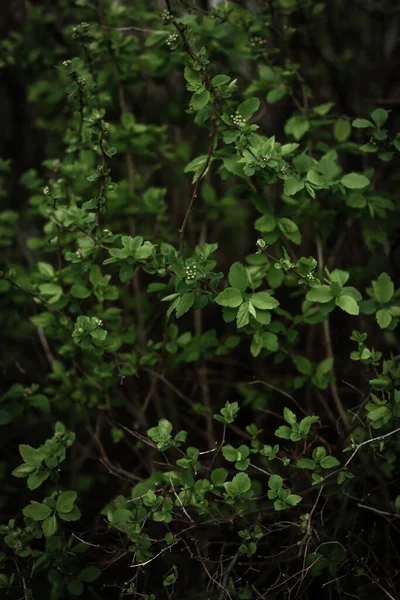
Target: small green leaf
320 294
200 99
289 416
247 108
218 476
342 130
383 288
328 462
264 301
238 277
354 181
230 297
37 511
89 574
65 501
283 432
275 482
265 224
348 304
379 116
79 291
362 123
384 318
292 186
243 315
356 201
306 463
185 303
380 383
293 499
49 526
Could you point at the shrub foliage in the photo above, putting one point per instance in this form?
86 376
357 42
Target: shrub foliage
201 378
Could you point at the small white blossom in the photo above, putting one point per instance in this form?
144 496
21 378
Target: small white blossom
172 39
167 16
238 120
46 191
66 63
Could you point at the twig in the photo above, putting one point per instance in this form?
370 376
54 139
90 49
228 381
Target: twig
329 348
200 177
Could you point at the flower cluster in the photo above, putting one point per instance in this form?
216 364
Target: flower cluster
172 39
167 16
191 273
238 120
256 42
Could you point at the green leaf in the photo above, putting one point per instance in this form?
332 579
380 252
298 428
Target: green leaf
379 116
323 109
289 229
289 416
283 432
383 288
320 294
275 482
230 453
218 476
247 108
32 456
384 318
306 463
230 297
292 186
240 484
348 304
185 303
65 501
380 383
287 149
297 126
339 276
243 315
200 99
49 526
73 515
89 574
329 462
356 201
381 412
293 499
342 130
238 277
22 471
303 365
37 511
264 301
36 479
354 181
315 178
362 123
265 224
79 291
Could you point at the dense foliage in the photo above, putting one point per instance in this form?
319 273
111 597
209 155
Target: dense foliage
199 300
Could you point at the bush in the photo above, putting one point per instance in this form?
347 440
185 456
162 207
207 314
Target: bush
201 391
